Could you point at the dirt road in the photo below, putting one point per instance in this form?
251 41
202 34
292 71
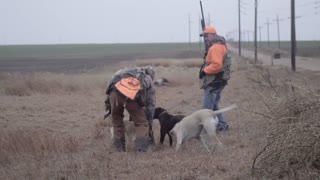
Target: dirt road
305 63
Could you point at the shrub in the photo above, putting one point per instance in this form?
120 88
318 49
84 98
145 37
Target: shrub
291 148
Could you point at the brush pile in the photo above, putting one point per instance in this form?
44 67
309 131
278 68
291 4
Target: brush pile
291 149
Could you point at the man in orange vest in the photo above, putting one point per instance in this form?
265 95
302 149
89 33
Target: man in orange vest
132 89
215 72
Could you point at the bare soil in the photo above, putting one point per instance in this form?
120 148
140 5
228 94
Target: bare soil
80 63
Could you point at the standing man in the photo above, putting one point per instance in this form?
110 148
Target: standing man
132 89
215 72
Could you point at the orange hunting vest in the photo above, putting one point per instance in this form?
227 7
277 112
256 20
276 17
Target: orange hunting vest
129 87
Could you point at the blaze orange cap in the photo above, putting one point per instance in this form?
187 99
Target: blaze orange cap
209 30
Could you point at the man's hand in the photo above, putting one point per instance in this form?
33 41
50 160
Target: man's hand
202 74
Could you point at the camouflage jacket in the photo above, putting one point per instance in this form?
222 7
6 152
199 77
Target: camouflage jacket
147 92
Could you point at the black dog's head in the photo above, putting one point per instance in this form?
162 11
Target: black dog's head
167 122
158 111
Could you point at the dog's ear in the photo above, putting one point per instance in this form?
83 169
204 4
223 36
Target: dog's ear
156 113
159 110
163 109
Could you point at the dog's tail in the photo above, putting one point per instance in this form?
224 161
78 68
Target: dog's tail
233 106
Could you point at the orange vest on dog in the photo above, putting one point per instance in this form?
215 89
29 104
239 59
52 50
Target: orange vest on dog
129 87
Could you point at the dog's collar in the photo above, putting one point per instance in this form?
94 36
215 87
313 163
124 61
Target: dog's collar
162 113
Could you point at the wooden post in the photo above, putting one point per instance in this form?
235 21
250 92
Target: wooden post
293 37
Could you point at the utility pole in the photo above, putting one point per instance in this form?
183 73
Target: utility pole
248 35
260 36
278 31
268 31
239 27
243 34
189 32
247 38
293 37
278 28
255 32
245 42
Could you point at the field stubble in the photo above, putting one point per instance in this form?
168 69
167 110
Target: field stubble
52 128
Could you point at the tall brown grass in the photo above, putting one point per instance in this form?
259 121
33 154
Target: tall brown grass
48 83
19 143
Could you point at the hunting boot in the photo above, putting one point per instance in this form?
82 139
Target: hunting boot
142 144
119 144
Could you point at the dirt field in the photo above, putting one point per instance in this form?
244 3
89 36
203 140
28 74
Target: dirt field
51 123
83 62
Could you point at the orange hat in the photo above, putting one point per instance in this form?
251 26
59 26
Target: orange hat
209 30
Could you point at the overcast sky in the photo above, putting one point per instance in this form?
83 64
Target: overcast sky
140 21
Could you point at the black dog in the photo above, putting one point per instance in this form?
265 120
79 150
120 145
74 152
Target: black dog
167 122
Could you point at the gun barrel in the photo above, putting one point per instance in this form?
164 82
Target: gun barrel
203 24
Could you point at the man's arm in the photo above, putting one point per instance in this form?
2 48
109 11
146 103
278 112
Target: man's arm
215 59
150 104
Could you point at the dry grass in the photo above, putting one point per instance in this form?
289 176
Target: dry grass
170 63
51 126
291 147
19 141
48 83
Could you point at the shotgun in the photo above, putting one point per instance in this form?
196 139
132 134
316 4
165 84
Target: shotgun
203 26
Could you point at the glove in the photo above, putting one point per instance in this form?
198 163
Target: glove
202 74
107 105
106 115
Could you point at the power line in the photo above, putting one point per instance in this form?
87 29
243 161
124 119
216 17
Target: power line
308 3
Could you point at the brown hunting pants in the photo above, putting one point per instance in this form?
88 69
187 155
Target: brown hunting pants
118 103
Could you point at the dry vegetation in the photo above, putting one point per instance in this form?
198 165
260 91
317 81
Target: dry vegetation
292 145
52 128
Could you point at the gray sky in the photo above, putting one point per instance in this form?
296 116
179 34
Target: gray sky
140 21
